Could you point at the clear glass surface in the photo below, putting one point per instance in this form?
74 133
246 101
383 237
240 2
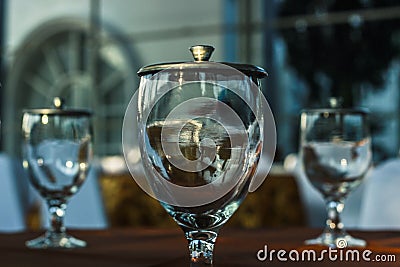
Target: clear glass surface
196 138
336 154
57 150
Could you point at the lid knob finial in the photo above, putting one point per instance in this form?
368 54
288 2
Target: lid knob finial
201 52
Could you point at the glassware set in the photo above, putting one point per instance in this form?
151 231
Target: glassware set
335 150
200 136
193 140
57 150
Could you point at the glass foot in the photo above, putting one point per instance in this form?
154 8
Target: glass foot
52 240
342 240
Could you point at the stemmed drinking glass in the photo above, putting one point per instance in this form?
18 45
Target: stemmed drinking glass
336 154
57 150
200 140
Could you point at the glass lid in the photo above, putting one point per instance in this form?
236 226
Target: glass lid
58 109
201 54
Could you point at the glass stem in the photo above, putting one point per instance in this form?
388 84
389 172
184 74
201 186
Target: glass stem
57 212
334 224
201 247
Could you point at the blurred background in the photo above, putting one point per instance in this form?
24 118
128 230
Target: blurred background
89 52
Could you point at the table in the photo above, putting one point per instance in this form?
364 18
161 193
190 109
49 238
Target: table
167 247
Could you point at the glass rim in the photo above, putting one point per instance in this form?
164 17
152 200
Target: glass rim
247 69
61 112
360 110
